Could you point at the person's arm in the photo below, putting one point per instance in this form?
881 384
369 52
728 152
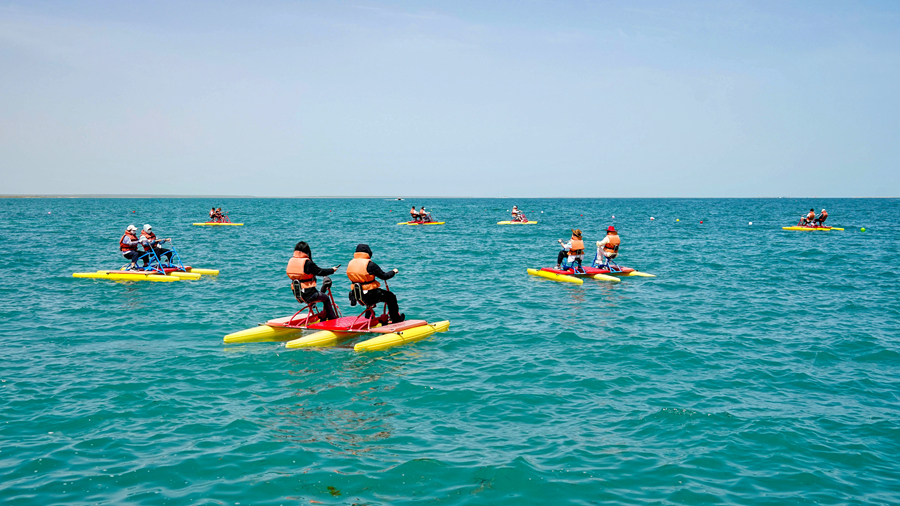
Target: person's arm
376 271
603 242
566 246
311 268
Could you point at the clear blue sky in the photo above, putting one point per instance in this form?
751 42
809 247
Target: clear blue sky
523 98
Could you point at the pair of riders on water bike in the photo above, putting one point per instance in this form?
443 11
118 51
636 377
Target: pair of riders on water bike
129 242
573 250
518 216
810 219
216 216
420 216
362 272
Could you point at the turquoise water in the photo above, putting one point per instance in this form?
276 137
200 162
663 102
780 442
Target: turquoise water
759 367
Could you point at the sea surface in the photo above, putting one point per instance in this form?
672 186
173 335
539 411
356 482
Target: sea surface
760 366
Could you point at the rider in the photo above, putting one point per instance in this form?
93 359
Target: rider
413 214
609 246
822 217
128 244
574 250
363 271
149 242
212 213
302 268
423 215
219 214
517 215
810 217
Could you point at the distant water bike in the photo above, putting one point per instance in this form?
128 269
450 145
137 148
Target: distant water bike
519 220
156 269
222 221
332 332
428 220
810 226
601 269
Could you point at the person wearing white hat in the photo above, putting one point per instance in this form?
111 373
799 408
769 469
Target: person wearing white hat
128 244
150 243
820 221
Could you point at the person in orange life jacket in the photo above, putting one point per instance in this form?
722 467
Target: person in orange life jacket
822 217
363 271
609 246
128 245
808 218
516 214
423 215
212 213
302 268
574 250
149 241
413 214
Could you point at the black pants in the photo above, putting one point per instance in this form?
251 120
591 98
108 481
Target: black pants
379 295
562 256
162 253
133 256
313 295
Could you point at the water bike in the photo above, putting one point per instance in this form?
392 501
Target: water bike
429 221
807 226
342 328
522 221
155 270
220 221
601 271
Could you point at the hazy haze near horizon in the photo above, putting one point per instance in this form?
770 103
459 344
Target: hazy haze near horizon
538 99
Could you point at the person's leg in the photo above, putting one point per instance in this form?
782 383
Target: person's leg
160 252
378 295
129 255
559 258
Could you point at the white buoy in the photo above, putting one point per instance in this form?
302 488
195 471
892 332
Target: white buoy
614 216
542 212
651 218
751 223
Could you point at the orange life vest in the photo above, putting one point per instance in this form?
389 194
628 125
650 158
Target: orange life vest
128 247
811 216
612 246
296 269
577 246
358 273
150 237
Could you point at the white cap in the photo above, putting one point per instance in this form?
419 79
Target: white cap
131 227
147 227
823 210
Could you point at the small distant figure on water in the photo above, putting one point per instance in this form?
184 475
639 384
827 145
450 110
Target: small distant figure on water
413 214
820 221
572 252
518 216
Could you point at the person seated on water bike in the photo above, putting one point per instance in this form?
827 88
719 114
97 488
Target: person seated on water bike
362 272
128 244
212 213
808 220
518 215
608 248
219 216
150 243
820 221
413 214
573 250
302 270
424 217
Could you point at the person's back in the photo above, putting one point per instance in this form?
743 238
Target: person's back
822 217
608 247
362 271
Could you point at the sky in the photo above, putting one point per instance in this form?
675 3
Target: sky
459 98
